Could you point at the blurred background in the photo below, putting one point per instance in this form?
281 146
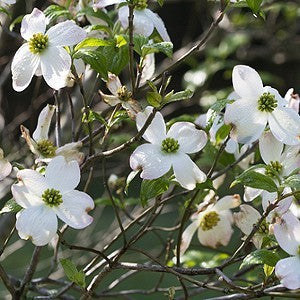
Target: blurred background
271 45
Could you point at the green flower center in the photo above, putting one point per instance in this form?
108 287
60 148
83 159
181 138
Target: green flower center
123 93
38 43
209 221
263 228
267 102
273 168
169 145
140 4
299 250
46 148
52 197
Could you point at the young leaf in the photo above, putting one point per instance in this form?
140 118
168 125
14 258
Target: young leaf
72 273
256 180
92 42
183 95
154 99
120 41
254 5
222 133
153 188
261 256
164 47
268 270
53 12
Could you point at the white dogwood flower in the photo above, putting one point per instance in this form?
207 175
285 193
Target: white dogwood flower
44 53
280 162
43 147
44 198
144 21
166 150
258 106
287 234
232 146
213 222
5 166
204 120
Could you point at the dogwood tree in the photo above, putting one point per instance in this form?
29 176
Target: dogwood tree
120 173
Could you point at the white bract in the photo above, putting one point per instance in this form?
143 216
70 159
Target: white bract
5 166
44 53
258 106
213 222
144 21
166 150
293 100
44 198
287 234
43 147
245 220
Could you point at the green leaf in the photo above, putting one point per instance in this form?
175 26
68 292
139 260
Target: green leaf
139 41
256 180
153 188
222 133
254 5
152 86
261 256
164 47
116 58
154 99
94 116
219 105
92 42
11 206
120 41
268 270
293 182
99 27
95 59
100 14
53 12
161 2
72 273
183 95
